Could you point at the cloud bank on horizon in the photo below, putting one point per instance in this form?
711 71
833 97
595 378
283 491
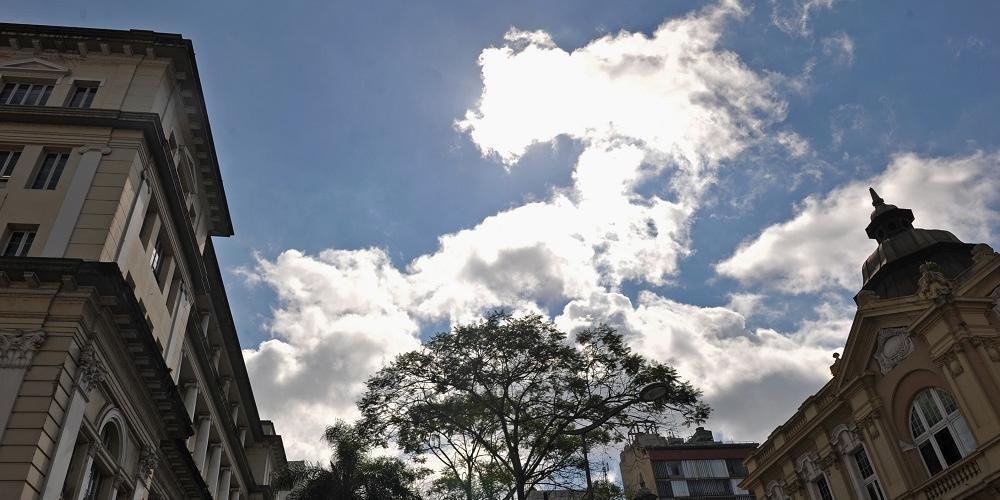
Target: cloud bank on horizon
661 119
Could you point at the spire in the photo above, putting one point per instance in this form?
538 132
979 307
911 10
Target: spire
887 219
876 199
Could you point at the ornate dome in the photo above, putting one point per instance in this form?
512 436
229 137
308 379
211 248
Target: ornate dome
893 269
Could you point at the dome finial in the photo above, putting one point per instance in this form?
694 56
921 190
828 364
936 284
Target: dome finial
876 199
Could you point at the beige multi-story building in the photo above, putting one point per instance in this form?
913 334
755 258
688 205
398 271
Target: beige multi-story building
658 468
913 408
121 374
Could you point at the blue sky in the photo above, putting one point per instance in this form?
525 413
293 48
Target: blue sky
357 134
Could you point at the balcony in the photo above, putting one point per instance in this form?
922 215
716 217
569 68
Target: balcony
961 475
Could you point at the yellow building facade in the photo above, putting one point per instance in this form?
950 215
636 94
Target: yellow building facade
121 373
913 408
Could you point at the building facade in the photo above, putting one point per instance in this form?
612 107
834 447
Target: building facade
913 408
121 373
699 468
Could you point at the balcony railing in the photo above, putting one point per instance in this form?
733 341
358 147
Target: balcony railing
958 475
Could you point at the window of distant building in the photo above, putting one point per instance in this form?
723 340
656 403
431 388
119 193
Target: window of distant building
8 159
939 430
50 171
82 95
27 94
19 240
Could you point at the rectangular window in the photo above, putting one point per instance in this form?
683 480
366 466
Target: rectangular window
709 487
667 469
28 94
663 489
7 161
50 171
19 243
949 450
156 257
864 466
83 95
823 489
736 467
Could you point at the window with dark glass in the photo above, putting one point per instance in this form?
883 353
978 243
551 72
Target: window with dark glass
866 473
49 172
823 488
7 161
663 489
19 242
736 467
667 468
28 94
709 487
83 95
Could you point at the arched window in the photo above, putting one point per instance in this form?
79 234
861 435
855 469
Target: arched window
939 430
97 480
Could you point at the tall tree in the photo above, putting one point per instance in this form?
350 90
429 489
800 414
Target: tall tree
352 474
524 394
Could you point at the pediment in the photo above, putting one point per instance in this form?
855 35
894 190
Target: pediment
34 65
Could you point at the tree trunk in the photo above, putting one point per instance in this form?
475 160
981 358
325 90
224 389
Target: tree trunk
586 466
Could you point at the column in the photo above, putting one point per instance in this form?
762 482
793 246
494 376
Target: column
235 495
222 492
211 475
149 461
201 442
137 215
243 436
235 413
69 211
17 351
190 398
89 373
116 485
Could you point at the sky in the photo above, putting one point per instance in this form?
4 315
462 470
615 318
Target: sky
693 173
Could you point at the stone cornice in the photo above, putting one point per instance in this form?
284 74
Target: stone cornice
105 42
151 127
132 330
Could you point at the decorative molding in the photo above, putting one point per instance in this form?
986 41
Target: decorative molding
845 438
90 370
104 150
933 284
949 359
829 461
149 461
869 423
18 347
982 253
865 297
892 347
34 65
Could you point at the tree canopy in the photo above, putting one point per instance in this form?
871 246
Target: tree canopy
517 394
352 474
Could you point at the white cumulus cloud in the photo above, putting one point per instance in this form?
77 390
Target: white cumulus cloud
663 111
823 246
